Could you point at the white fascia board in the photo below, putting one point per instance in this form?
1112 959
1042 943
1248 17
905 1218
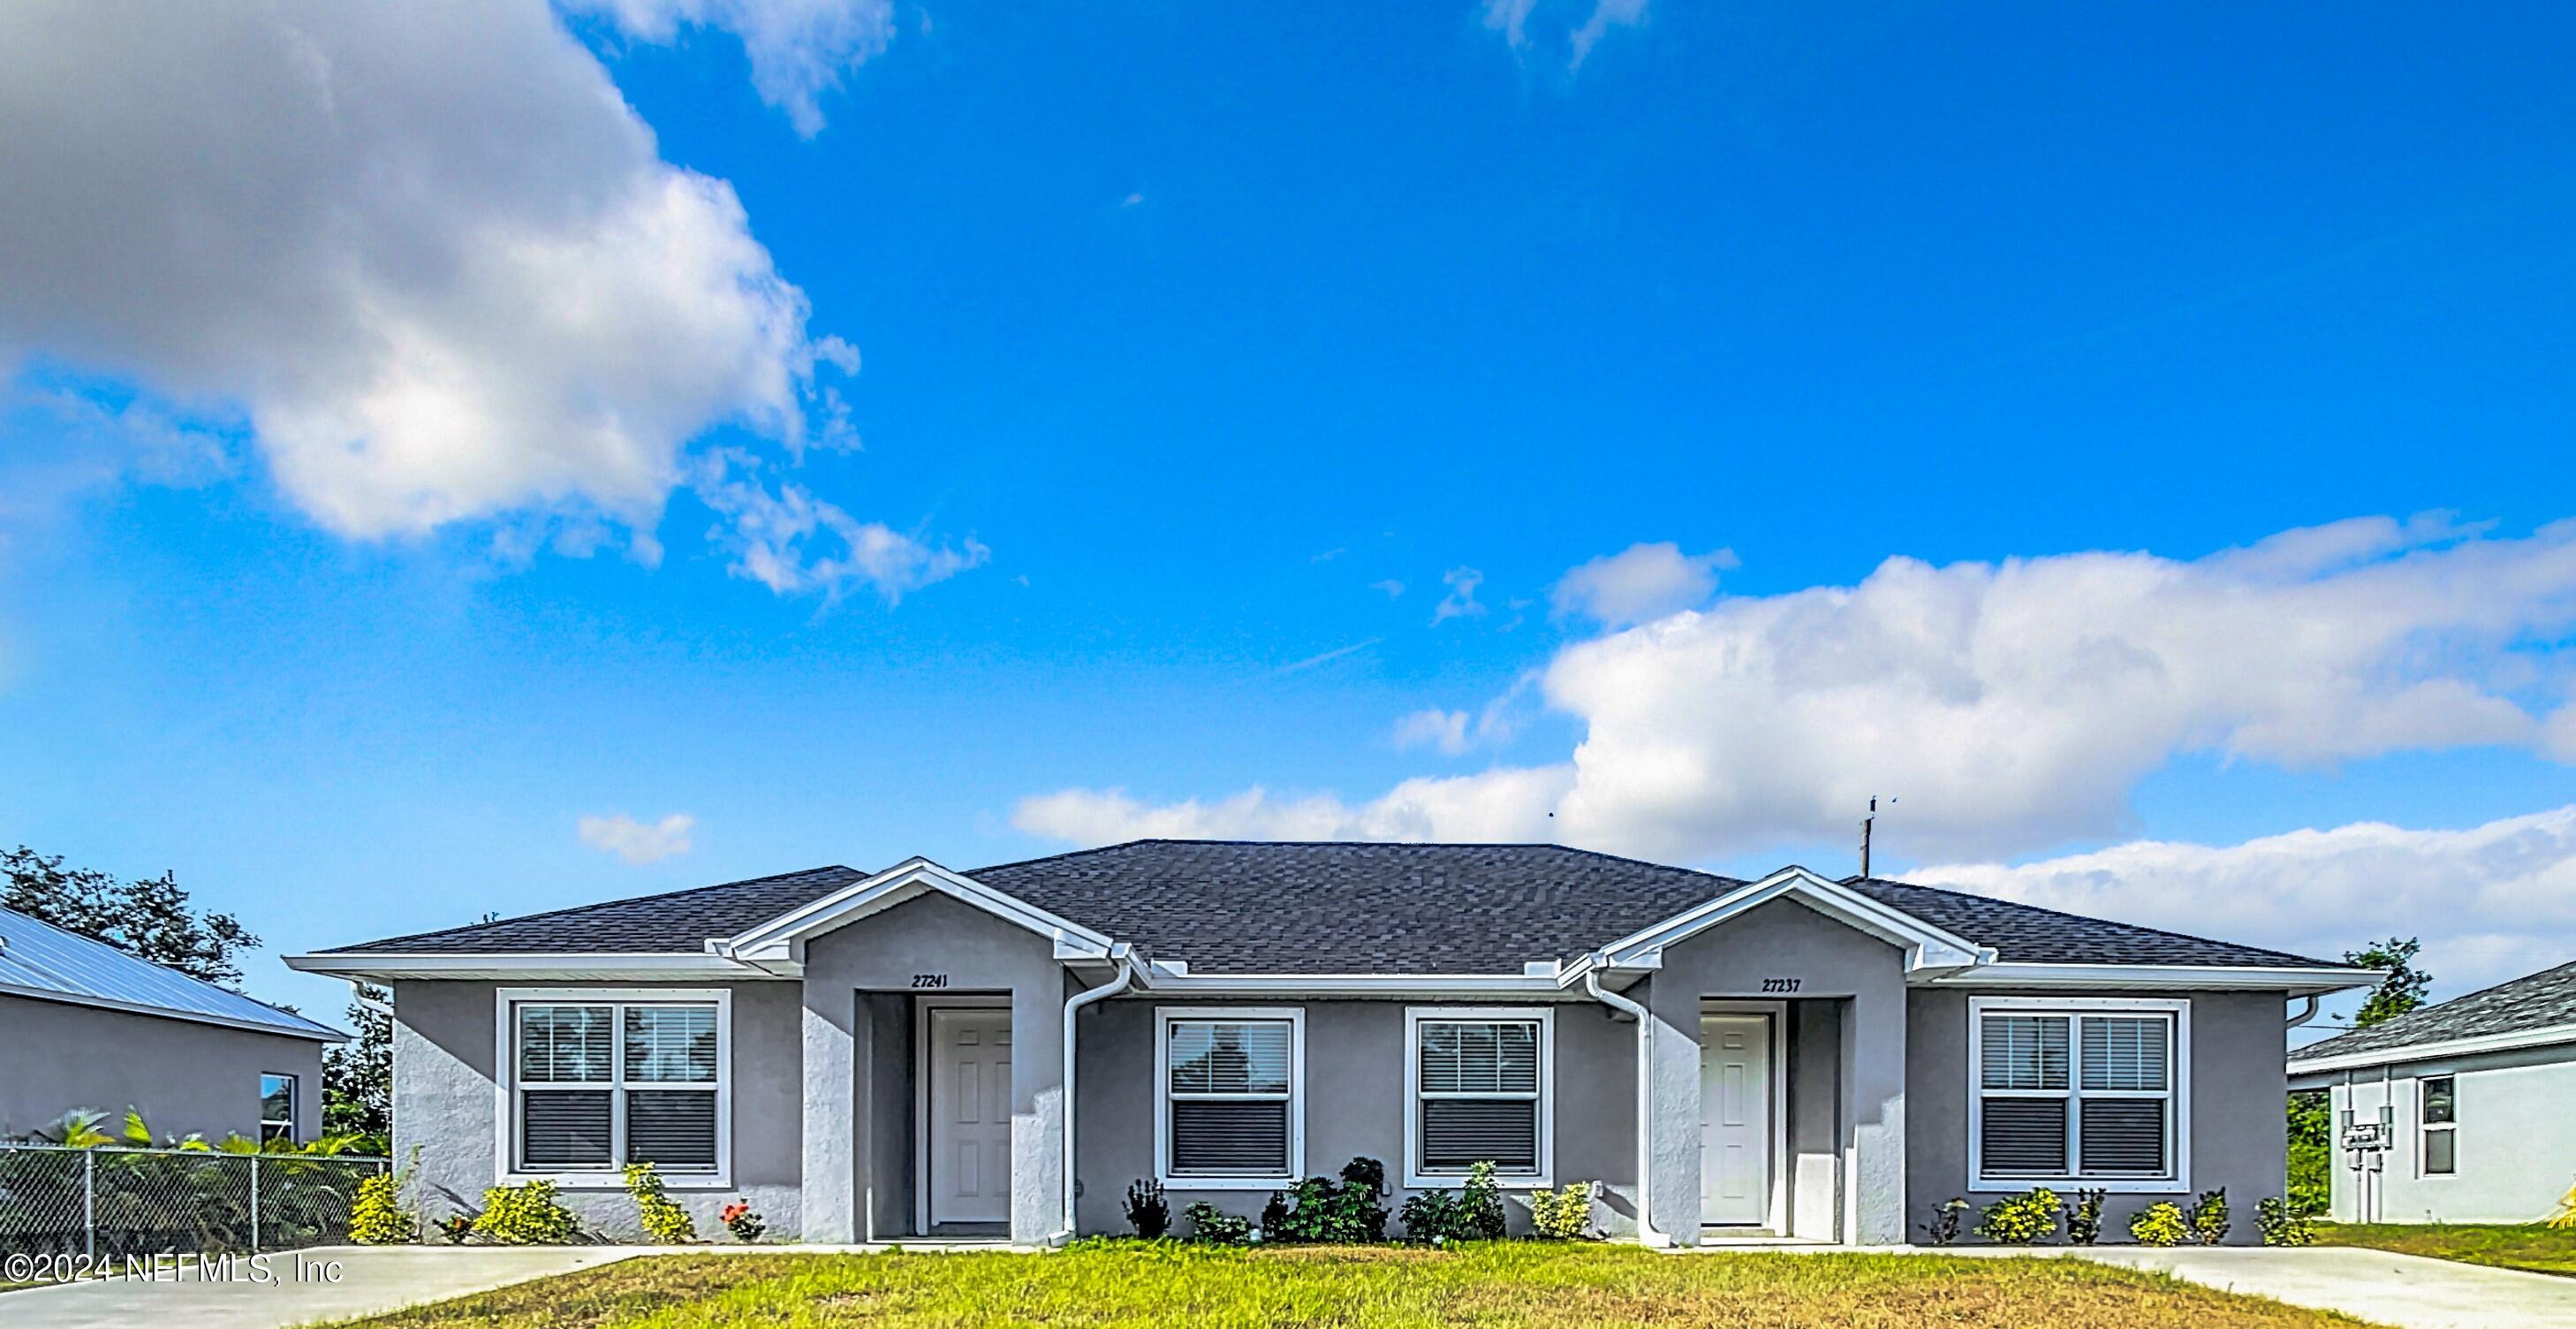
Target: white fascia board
780 938
2293 981
588 966
318 1033
1927 947
2456 1047
1164 982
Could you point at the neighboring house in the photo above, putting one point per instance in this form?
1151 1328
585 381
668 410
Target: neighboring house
85 1025
907 1053
2455 1113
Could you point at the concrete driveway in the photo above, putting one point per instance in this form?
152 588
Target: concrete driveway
295 1287
2407 1291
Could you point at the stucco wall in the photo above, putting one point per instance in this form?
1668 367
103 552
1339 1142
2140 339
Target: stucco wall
2513 1149
185 1077
2239 1042
849 1095
446 1089
1831 962
1355 1104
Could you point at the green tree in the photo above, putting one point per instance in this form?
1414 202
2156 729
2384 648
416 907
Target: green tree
2400 992
148 918
358 1076
2311 1153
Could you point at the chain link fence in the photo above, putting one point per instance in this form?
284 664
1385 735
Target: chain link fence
115 1202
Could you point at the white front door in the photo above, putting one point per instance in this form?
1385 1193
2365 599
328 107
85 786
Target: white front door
1735 1119
970 1114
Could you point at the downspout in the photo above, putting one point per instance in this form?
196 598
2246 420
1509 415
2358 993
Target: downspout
2307 1012
1072 1008
1647 1235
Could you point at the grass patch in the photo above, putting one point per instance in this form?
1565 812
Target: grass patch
2531 1246
1505 1286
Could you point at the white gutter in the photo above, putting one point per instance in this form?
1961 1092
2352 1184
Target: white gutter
2453 1047
1126 974
1646 1233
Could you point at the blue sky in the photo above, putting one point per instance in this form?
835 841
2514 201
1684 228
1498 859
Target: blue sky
976 432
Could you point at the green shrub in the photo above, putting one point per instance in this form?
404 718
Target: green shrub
664 1221
1563 1214
525 1216
1320 1210
2084 1221
1943 1227
2208 1217
2021 1220
743 1221
1211 1224
2311 1152
1473 1214
1147 1211
2159 1224
2282 1223
379 1217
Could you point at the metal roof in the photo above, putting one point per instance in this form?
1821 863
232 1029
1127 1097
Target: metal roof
46 963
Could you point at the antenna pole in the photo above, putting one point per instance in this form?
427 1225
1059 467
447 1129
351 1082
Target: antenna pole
1864 834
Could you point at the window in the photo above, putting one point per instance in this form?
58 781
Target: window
599 1079
2078 1090
1232 1111
277 1108
1477 1080
2438 1116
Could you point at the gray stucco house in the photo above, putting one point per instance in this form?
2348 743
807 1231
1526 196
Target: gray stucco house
2455 1113
85 1025
923 1052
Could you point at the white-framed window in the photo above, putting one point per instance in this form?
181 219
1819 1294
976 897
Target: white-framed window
277 1107
1478 1086
1230 1109
2082 1091
2437 1119
593 1079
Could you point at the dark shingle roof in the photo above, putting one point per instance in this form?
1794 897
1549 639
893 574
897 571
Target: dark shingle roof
1233 907
2534 1001
2028 934
1246 907
676 921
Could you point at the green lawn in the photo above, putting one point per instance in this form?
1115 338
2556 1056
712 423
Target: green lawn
1506 1286
2531 1246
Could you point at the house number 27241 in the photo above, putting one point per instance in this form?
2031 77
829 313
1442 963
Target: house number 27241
930 980
1780 984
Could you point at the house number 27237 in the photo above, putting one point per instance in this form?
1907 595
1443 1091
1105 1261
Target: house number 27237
1780 984
930 980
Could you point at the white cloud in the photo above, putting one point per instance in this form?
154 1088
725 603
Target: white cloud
2491 902
798 48
1641 582
1391 586
636 842
790 541
1512 18
1461 600
1445 730
426 252
2014 705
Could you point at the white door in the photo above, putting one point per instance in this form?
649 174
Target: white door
1735 1119
970 1114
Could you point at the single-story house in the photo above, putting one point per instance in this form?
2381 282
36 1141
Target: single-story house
85 1025
922 1052
2457 1112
